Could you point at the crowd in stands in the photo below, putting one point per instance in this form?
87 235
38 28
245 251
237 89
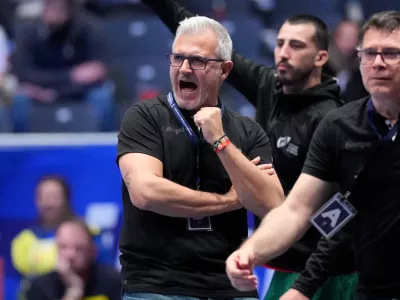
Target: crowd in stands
75 66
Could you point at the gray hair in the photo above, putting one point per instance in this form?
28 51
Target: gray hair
386 21
199 24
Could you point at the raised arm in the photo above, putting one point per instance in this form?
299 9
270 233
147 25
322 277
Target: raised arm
246 76
140 156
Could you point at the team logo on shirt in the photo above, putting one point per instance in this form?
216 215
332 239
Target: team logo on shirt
357 145
173 130
284 141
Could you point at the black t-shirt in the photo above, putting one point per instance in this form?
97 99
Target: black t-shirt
103 284
345 143
159 254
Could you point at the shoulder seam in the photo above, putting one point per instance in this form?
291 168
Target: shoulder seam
347 114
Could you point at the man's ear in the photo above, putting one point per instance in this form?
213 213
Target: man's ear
321 58
226 69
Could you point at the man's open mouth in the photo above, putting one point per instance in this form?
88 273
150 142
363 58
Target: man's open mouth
187 86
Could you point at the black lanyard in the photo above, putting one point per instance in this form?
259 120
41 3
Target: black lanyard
189 132
389 137
391 134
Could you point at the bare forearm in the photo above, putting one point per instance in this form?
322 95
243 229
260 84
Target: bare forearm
165 197
278 231
286 224
257 191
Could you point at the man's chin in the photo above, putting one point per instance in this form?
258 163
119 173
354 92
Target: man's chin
383 92
286 80
189 106
188 103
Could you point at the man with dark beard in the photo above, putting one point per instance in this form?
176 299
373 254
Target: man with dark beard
290 100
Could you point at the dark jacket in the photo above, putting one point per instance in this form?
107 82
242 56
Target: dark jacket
46 58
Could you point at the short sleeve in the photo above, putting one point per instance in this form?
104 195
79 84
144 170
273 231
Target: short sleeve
139 134
261 145
320 161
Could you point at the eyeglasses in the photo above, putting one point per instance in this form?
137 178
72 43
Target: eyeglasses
195 62
389 56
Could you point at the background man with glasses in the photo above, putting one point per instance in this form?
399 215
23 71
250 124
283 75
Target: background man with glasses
356 147
182 157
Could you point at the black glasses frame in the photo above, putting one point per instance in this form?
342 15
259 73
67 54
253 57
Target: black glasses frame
190 59
380 53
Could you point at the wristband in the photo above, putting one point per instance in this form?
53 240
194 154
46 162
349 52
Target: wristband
221 143
215 145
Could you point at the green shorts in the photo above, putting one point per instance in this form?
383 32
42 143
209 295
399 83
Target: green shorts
335 288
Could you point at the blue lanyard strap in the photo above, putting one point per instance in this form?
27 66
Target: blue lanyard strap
189 132
178 114
391 134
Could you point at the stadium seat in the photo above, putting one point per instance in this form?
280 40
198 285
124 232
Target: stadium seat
245 33
137 35
63 117
5 125
140 74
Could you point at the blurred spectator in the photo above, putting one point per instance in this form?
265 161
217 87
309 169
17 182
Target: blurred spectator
343 53
77 275
33 251
343 62
355 89
4 87
7 16
264 9
109 7
60 56
4 53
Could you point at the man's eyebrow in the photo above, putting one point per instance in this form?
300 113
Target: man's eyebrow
292 40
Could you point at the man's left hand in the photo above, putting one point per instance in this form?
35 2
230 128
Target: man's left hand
239 268
266 168
209 119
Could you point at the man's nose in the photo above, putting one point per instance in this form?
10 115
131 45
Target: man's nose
185 68
284 52
379 62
